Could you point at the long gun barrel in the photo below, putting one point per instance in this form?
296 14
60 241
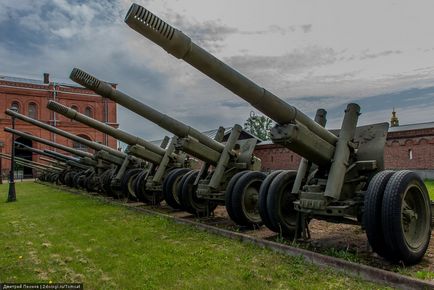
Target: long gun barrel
29 163
54 155
172 125
116 133
180 45
39 152
61 156
49 143
88 143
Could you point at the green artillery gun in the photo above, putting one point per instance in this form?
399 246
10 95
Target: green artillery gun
116 179
71 177
349 185
44 172
68 163
168 164
201 191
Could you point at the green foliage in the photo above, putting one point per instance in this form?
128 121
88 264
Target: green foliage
50 235
258 126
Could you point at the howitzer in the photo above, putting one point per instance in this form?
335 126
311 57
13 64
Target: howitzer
148 185
200 192
71 177
349 184
69 164
114 182
59 161
44 172
32 164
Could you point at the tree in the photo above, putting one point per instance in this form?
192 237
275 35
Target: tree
258 126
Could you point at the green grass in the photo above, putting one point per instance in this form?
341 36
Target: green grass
49 235
430 186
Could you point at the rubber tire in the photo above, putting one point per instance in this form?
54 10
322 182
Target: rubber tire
391 217
138 183
285 180
190 202
241 218
263 193
126 179
228 193
170 186
372 207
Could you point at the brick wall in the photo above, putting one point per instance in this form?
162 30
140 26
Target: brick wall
412 149
26 93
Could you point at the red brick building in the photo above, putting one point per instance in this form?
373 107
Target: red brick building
407 147
31 97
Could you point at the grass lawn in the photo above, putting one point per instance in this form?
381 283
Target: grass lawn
49 235
430 185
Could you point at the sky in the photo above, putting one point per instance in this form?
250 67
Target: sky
312 54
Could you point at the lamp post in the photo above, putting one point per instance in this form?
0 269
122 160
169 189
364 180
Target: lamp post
2 144
12 194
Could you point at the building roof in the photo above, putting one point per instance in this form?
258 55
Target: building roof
417 126
33 81
39 81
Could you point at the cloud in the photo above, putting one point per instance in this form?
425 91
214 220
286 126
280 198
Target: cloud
308 61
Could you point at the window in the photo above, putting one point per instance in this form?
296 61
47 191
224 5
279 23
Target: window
33 111
410 154
88 112
16 105
80 146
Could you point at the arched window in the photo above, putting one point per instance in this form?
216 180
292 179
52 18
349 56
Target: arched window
15 104
80 146
88 112
33 111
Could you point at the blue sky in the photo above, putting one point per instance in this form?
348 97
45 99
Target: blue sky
313 54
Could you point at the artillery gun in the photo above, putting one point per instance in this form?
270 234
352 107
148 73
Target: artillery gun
350 184
115 179
72 176
201 191
69 164
44 172
168 164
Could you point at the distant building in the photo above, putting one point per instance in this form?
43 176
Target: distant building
407 147
31 97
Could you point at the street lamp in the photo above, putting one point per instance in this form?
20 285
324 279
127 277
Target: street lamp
12 194
2 144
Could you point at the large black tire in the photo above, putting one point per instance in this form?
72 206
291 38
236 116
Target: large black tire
139 185
263 194
189 200
245 199
406 217
144 195
170 187
106 179
228 193
372 207
280 205
126 185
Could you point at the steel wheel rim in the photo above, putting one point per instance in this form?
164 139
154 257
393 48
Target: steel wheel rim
250 202
414 217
